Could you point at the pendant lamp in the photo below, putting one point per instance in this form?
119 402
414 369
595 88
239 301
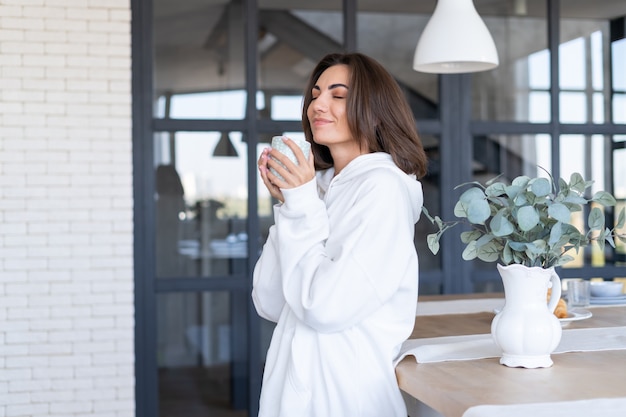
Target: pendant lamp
225 147
455 40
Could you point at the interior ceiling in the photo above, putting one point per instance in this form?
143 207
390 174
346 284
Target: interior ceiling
184 18
604 9
194 38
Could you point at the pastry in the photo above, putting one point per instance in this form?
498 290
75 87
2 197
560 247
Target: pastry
561 308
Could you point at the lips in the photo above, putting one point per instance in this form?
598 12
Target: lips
320 122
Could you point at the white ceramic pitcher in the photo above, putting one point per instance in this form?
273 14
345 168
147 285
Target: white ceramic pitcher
526 329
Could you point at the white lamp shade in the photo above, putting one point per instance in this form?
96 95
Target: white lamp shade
455 40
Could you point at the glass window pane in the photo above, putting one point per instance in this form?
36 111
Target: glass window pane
201 204
598 50
505 93
537 79
598 108
573 107
572 69
583 54
619 108
199 48
287 107
618 51
539 107
215 105
200 356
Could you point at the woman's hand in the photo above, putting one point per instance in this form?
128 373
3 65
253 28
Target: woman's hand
293 175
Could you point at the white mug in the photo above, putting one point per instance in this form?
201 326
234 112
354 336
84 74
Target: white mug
281 146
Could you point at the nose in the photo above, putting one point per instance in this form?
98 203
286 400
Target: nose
320 103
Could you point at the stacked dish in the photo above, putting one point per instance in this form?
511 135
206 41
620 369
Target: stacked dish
607 292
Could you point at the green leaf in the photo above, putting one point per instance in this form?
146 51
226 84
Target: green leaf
540 187
563 260
521 181
478 211
577 183
489 252
468 236
555 234
574 199
559 212
507 254
608 237
433 242
472 194
485 239
513 191
500 225
521 200
432 219
495 190
439 222
527 218
517 246
470 251
604 198
460 209
601 244
538 245
471 203
596 219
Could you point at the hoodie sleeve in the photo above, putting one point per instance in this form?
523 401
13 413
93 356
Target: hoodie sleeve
267 293
335 275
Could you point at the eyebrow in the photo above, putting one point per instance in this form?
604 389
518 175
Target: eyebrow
332 86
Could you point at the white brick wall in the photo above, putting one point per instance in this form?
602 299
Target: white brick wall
66 277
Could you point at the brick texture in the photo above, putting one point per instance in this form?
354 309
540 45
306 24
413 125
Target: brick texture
66 273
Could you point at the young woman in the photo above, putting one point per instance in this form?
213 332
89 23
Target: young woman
339 270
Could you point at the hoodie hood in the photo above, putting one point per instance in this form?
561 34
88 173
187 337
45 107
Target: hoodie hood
367 163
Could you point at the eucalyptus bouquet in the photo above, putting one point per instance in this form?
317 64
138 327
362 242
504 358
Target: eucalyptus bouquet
528 222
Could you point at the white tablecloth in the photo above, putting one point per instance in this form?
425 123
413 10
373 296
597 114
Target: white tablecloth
478 305
432 308
599 407
454 348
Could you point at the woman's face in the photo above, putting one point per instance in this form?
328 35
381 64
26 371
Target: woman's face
327 110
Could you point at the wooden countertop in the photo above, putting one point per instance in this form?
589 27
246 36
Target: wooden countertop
452 387
480 323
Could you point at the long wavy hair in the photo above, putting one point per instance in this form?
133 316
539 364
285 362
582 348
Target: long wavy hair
379 116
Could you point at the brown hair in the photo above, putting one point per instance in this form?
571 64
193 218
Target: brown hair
379 116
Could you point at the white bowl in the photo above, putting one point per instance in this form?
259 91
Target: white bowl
606 289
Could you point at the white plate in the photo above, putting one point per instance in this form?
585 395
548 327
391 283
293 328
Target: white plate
574 314
608 300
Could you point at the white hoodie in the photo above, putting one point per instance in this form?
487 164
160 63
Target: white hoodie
339 274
